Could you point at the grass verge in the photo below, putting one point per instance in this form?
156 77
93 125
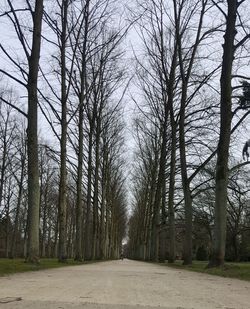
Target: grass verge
231 270
8 266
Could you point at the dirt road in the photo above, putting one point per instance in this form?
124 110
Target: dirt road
121 285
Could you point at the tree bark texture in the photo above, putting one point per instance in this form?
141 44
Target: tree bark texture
219 241
62 207
158 196
32 139
79 204
87 235
187 250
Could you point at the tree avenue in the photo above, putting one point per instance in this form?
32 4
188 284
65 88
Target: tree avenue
72 179
82 83
188 126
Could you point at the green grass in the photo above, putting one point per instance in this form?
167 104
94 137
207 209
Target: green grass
231 270
8 266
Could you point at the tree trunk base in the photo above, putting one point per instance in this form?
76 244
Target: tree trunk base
63 259
215 263
33 260
187 262
79 259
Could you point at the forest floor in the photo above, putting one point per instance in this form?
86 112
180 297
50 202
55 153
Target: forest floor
121 285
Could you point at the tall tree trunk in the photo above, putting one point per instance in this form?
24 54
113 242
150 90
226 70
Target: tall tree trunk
55 248
44 215
17 212
83 93
107 215
8 221
103 203
87 244
171 190
158 195
185 71
96 193
146 219
32 254
219 243
162 229
4 159
151 204
62 207
79 204
188 248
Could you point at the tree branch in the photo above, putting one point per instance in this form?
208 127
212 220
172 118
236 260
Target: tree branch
13 106
14 78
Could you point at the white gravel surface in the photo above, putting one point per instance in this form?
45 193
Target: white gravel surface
121 285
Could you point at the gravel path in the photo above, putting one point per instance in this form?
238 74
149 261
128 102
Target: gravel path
121 285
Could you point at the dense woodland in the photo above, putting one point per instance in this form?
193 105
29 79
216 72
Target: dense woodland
81 84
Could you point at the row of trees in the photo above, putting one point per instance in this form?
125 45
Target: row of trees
63 195
187 184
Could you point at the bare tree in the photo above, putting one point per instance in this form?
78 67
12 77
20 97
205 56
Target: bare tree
32 53
229 49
